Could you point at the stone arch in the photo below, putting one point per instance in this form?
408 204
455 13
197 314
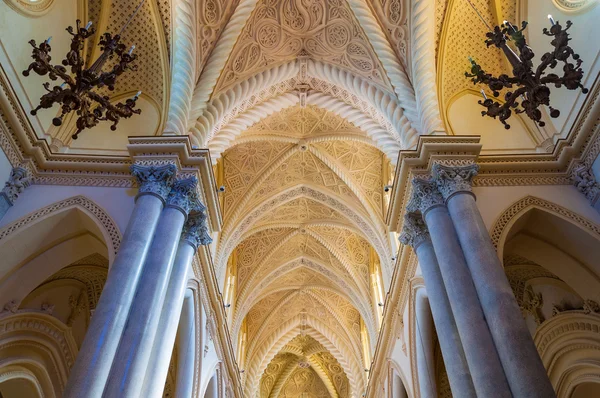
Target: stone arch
41 343
551 236
58 235
569 345
394 370
27 380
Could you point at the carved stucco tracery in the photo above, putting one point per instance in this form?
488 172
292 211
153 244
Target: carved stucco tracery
279 31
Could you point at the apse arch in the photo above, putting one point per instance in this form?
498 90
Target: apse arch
19 380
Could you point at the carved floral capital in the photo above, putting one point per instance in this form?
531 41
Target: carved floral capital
414 230
454 179
183 195
425 196
195 231
154 180
585 182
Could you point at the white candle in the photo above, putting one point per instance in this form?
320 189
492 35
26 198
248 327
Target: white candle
88 25
471 60
48 40
138 94
131 50
551 19
483 93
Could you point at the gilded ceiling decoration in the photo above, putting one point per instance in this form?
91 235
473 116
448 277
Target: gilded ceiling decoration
279 31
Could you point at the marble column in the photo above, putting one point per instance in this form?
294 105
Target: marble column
127 373
186 349
91 369
521 362
486 371
424 344
416 235
195 233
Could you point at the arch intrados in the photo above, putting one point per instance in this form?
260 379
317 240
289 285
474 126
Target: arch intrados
34 372
341 136
504 223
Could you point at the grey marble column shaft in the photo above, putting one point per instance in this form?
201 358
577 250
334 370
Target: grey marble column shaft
186 346
425 348
521 362
126 377
484 364
194 234
91 369
415 234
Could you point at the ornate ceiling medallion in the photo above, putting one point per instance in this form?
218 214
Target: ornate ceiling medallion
574 6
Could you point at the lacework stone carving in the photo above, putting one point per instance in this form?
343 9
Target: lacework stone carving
585 182
425 196
454 179
414 230
184 196
17 182
212 16
280 31
154 180
531 304
392 17
195 231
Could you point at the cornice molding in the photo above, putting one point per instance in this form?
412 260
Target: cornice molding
24 149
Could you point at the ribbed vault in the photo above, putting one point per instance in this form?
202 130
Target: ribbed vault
303 233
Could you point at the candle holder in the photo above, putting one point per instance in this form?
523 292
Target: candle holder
76 93
529 86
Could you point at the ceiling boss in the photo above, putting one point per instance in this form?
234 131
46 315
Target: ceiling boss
76 93
529 86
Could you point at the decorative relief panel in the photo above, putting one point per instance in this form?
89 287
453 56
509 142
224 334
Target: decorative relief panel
364 163
301 210
464 37
141 32
392 17
280 31
212 17
299 122
245 163
335 372
304 383
351 246
273 372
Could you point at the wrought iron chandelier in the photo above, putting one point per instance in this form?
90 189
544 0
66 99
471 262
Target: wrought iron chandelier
76 93
529 86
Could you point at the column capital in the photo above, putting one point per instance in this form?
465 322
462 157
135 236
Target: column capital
414 230
195 231
183 195
454 179
154 180
17 182
425 196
